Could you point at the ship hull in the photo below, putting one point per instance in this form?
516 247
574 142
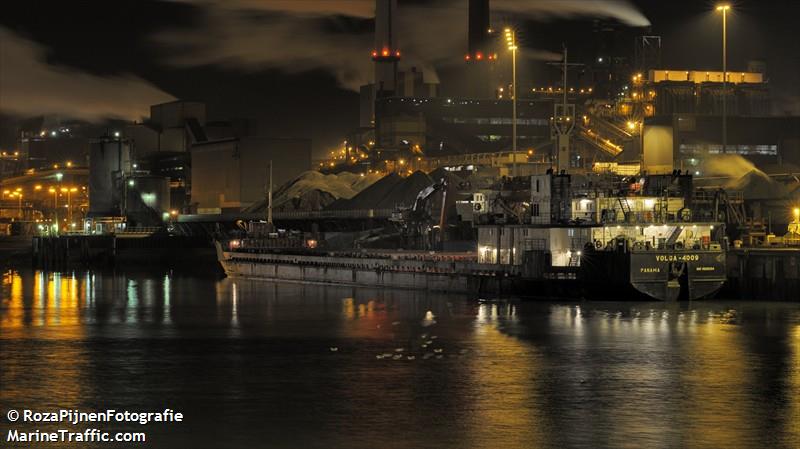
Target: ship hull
438 276
654 274
660 275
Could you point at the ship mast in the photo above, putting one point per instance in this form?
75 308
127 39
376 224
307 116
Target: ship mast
563 124
269 197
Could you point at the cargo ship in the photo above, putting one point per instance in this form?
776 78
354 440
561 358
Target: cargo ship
623 238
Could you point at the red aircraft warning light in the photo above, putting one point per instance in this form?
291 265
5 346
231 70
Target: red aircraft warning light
479 56
386 54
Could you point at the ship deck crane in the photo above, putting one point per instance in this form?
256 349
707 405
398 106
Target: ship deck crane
416 221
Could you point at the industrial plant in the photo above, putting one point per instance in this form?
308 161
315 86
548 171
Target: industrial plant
403 224
520 180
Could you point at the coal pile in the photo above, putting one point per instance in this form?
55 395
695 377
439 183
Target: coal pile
387 193
313 190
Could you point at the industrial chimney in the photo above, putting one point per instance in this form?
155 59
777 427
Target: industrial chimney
480 51
386 53
478 47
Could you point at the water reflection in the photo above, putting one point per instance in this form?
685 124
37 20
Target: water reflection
316 366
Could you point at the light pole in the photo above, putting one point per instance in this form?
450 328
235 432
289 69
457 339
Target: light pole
59 177
269 198
69 192
55 206
511 41
724 9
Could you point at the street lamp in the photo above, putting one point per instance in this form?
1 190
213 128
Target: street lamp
511 42
69 192
724 9
55 205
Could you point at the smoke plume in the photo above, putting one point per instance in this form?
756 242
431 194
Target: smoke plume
310 8
296 35
734 172
242 40
621 10
29 86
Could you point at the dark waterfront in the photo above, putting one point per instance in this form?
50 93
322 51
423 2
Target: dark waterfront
255 364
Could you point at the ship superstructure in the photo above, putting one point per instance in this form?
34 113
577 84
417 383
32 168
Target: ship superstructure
609 234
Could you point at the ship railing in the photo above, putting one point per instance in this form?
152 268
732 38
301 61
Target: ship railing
456 267
709 195
350 213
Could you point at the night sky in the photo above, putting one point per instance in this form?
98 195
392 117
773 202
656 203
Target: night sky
292 65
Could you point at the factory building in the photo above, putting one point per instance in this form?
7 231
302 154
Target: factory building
684 127
443 126
172 127
403 112
685 141
231 174
160 145
50 147
701 92
121 194
11 163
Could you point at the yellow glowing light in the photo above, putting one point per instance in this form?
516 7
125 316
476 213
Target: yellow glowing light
37 187
723 7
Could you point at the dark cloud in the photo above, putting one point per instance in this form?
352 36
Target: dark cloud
29 86
233 34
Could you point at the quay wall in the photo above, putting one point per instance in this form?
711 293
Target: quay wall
764 274
175 252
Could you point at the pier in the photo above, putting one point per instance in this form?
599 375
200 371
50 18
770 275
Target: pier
764 274
66 251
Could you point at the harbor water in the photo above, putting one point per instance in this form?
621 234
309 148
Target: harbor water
259 364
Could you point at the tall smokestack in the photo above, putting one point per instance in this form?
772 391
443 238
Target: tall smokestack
386 53
478 29
480 51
